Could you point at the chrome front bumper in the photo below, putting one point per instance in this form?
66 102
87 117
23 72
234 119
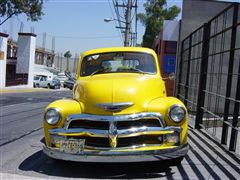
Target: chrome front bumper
167 147
129 156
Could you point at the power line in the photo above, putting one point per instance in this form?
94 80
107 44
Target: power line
115 22
83 37
129 33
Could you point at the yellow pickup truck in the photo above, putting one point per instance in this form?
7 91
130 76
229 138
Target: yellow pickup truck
119 112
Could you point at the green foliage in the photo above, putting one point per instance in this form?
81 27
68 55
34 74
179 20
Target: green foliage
32 8
67 54
156 13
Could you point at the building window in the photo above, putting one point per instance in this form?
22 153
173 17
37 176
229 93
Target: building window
171 47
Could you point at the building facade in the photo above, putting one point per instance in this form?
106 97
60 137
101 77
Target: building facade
166 48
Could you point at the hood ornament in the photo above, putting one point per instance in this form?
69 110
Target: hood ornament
114 107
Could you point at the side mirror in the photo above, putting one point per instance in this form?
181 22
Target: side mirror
170 77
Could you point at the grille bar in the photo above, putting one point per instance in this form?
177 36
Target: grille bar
120 133
117 118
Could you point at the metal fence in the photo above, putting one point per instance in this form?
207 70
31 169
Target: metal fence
209 77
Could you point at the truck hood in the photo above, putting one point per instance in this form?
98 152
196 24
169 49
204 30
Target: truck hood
134 90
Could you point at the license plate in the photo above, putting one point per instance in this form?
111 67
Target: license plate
72 146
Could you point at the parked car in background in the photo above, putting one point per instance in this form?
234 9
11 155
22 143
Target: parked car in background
55 84
43 82
69 83
62 77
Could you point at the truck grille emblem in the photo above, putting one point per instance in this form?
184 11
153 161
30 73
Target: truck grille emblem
114 107
112 134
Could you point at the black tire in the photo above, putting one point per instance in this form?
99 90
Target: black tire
37 85
48 86
175 162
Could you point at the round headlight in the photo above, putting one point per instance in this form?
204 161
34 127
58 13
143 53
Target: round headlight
52 116
177 113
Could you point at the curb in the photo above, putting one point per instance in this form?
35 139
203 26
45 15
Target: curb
8 176
22 90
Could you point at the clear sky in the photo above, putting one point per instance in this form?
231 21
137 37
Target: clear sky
77 25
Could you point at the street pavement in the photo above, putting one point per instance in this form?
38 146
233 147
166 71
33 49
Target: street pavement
21 153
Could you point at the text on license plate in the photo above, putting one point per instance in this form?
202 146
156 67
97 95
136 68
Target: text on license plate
72 146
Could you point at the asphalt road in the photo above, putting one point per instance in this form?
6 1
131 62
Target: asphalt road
21 155
21 113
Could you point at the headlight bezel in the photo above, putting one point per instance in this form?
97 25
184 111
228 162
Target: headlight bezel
59 116
172 108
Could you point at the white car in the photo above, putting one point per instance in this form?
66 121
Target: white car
62 77
42 81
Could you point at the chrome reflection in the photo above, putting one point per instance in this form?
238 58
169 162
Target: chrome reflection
130 117
123 133
114 107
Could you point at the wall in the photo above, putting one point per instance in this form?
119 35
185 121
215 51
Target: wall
3 59
197 12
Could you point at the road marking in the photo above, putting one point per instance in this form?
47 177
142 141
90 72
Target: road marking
16 104
20 137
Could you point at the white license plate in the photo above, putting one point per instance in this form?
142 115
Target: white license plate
72 146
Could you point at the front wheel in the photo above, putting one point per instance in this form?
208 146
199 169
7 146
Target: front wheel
175 162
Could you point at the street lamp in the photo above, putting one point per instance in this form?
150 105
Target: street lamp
126 32
111 19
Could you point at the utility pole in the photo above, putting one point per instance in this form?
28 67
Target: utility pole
125 19
128 22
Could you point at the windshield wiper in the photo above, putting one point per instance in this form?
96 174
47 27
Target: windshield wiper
101 70
139 71
97 71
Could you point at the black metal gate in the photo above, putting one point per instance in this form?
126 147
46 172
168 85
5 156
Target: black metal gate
208 80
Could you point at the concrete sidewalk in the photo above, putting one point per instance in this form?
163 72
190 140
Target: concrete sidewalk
207 159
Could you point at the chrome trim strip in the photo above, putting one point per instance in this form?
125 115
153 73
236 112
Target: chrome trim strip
119 148
88 132
119 156
129 117
123 133
114 107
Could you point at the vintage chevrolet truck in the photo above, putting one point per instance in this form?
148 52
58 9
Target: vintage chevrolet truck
119 112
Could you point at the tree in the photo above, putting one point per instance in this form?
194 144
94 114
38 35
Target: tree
32 9
67 55
156 13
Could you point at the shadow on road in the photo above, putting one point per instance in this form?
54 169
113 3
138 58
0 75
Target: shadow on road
40 163
206 159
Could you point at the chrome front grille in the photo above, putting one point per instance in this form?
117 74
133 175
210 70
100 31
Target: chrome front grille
121 131
104 125
86 124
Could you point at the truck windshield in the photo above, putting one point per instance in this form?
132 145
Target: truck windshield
118 62
37 77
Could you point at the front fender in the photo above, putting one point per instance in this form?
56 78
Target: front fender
162 106
65 107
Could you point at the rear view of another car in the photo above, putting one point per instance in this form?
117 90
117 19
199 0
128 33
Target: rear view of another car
62 77
69 83
55 84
